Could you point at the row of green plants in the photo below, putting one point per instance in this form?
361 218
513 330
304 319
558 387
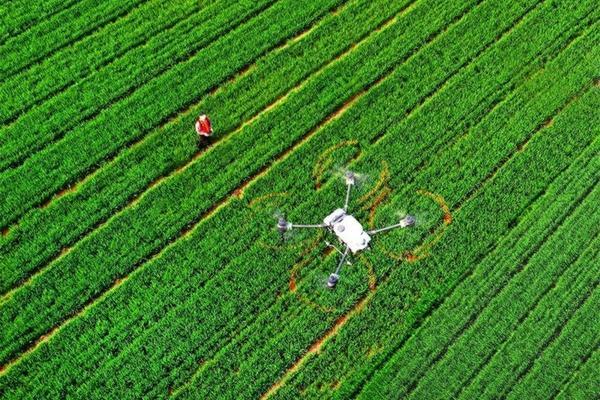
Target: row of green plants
341 124
58 31
72 216
532 337
335 367
21 92
84 149
501 319
583 382
401 302
181 353
197 187
18 16
121 84
576 339
544 216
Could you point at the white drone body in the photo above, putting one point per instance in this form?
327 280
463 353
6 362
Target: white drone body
346 227
348 230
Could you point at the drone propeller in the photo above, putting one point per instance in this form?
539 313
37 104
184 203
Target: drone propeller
352 177
283 227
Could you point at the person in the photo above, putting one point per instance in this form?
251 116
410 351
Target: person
203 126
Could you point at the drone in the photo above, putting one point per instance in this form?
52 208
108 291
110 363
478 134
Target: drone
346 228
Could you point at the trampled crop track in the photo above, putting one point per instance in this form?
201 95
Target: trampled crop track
160 72
193 224
534 250
316 346
279 159
239 192
476 190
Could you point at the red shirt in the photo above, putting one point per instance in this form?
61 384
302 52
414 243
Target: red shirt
203 126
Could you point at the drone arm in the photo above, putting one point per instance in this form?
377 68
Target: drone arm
307 226
342 259
407 221
386 228
349 187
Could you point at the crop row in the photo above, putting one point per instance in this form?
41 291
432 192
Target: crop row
213 292
58 31
168 148
17 16
572 342
447 323
21 92
542 325
204 378
584 383
329 365
97 94
165 298
484 341
86 147
211 179
377 329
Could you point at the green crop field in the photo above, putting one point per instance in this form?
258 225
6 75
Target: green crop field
138 260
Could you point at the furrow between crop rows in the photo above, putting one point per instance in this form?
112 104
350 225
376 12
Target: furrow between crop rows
148 150
163 56
49 37
23 92
322 371
70 254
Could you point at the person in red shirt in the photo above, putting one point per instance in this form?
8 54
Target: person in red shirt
203 126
